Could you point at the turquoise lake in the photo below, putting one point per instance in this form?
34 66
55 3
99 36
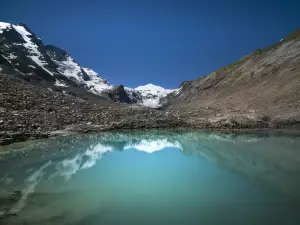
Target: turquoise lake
152 177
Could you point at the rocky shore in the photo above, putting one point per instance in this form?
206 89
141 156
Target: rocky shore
28 112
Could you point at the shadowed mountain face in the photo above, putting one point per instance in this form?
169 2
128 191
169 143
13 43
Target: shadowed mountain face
65 170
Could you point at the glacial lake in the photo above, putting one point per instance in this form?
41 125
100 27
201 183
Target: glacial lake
154 177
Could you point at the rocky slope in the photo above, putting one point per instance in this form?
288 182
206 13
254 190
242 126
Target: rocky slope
28 111
25 55
266 82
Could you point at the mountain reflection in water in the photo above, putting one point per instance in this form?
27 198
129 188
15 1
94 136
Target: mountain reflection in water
105 178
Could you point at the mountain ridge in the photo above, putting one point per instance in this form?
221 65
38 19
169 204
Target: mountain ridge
62 70
265 81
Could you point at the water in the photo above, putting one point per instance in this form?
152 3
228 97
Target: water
152 178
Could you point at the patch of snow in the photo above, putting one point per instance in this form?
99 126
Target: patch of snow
60 84
32 66
96 84
152 94
32 48
151 88
4 26
70 69
151 103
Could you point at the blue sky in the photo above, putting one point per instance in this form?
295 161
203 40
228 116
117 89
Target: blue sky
134 42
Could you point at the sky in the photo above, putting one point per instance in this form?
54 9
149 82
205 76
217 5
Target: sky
164 42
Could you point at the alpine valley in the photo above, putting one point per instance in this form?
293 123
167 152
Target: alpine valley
44 91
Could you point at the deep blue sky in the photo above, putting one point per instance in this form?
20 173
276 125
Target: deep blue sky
134 42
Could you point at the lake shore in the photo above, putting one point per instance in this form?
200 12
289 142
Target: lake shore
7 138
31 112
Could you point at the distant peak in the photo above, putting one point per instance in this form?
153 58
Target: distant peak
151 87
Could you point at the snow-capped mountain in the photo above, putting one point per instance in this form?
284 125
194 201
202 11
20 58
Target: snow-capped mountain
21 50
151 95
25 55
68 67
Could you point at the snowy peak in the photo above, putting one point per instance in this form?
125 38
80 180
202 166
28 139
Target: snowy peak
20 49
152 88
152 95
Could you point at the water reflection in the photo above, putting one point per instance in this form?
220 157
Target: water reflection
38 175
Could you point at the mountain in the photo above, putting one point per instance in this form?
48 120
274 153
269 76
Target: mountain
150 95
265 82
25 55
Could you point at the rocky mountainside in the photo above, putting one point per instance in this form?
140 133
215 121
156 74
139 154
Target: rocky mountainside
29 111
265 82
25 55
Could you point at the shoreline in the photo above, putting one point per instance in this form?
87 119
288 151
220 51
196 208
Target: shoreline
96 129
